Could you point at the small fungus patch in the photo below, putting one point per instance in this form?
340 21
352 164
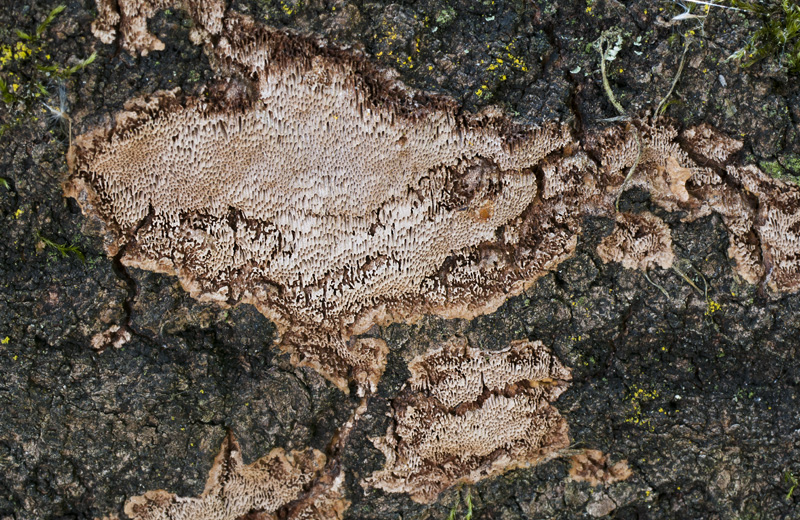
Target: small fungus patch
593 466
639 241
329 504
127 20
467 414
233 489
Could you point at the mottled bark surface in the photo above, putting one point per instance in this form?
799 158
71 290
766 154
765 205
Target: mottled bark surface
701 399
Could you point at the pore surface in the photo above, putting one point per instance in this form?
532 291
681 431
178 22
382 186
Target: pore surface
331 198
467 414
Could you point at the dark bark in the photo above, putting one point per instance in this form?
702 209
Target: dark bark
703 403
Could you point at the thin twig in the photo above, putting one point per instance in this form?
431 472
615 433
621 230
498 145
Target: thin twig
690 282
675 79
663 291
606 84
633 168
712 4
603 50
705 283
615 119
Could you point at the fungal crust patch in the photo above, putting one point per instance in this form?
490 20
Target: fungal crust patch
234 489
638 241
594 467
317 201
467 414
333 198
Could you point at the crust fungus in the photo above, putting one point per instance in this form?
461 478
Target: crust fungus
639 241
115 336
663 170
234 490
695 175
777 226
333 198
592 466
127 19
326 505
710 146
466 414
334 201
739 216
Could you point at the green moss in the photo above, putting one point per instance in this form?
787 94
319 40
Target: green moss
445 16
773 168
776 170
790 479
25 68
791 162
455 508
778 37
64 249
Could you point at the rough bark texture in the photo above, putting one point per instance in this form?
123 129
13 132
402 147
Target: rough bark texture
700 397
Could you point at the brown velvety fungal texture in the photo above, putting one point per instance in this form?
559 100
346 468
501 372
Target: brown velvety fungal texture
127 19
330 504
332 197
334 201
466 414
777 225
233 489
639 241
593 466
698 174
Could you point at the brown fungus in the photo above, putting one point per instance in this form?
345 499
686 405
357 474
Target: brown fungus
333 198
709 146
593 466
337 210
234 489
329 504
127 20
695 174
639 241
776 225
467 414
